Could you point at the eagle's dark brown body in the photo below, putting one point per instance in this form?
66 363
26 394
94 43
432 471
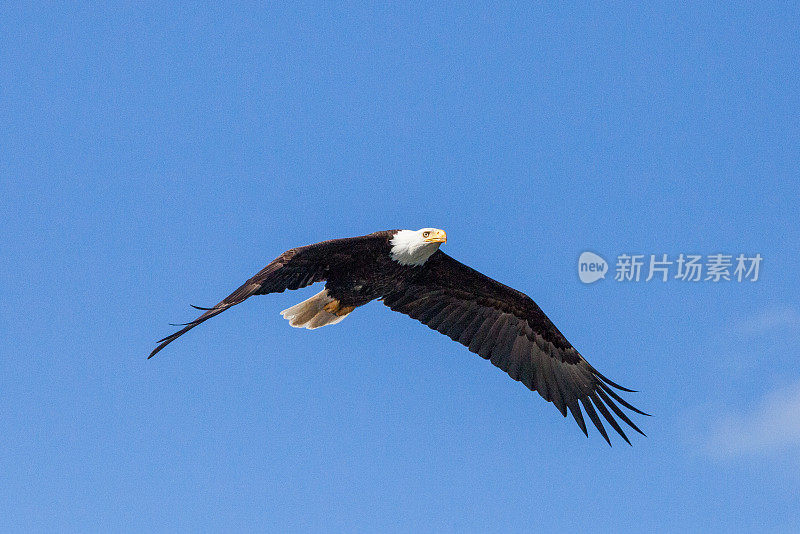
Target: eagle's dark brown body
492 320
355 283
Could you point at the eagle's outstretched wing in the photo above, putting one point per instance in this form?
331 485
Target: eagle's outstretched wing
506 326
295 268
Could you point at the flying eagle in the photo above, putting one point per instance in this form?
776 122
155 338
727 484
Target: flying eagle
406 270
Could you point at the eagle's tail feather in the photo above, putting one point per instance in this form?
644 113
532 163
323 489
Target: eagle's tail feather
319 310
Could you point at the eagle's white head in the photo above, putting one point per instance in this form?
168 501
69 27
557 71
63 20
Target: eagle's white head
414 247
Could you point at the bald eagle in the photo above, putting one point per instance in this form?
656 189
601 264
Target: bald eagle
406 271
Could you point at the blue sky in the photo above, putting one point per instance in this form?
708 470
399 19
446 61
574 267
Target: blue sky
153 156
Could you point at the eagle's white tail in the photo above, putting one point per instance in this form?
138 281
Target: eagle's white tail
319 310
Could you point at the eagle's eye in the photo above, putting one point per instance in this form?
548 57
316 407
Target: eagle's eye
425 234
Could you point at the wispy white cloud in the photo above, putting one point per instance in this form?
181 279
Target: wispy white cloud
772 426
772 318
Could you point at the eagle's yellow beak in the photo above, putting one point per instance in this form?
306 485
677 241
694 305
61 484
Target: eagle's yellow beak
436 236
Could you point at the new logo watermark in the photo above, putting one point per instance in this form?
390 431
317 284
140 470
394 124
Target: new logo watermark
591 267
660 267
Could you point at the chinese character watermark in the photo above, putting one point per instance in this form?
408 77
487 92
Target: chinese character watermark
713 268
